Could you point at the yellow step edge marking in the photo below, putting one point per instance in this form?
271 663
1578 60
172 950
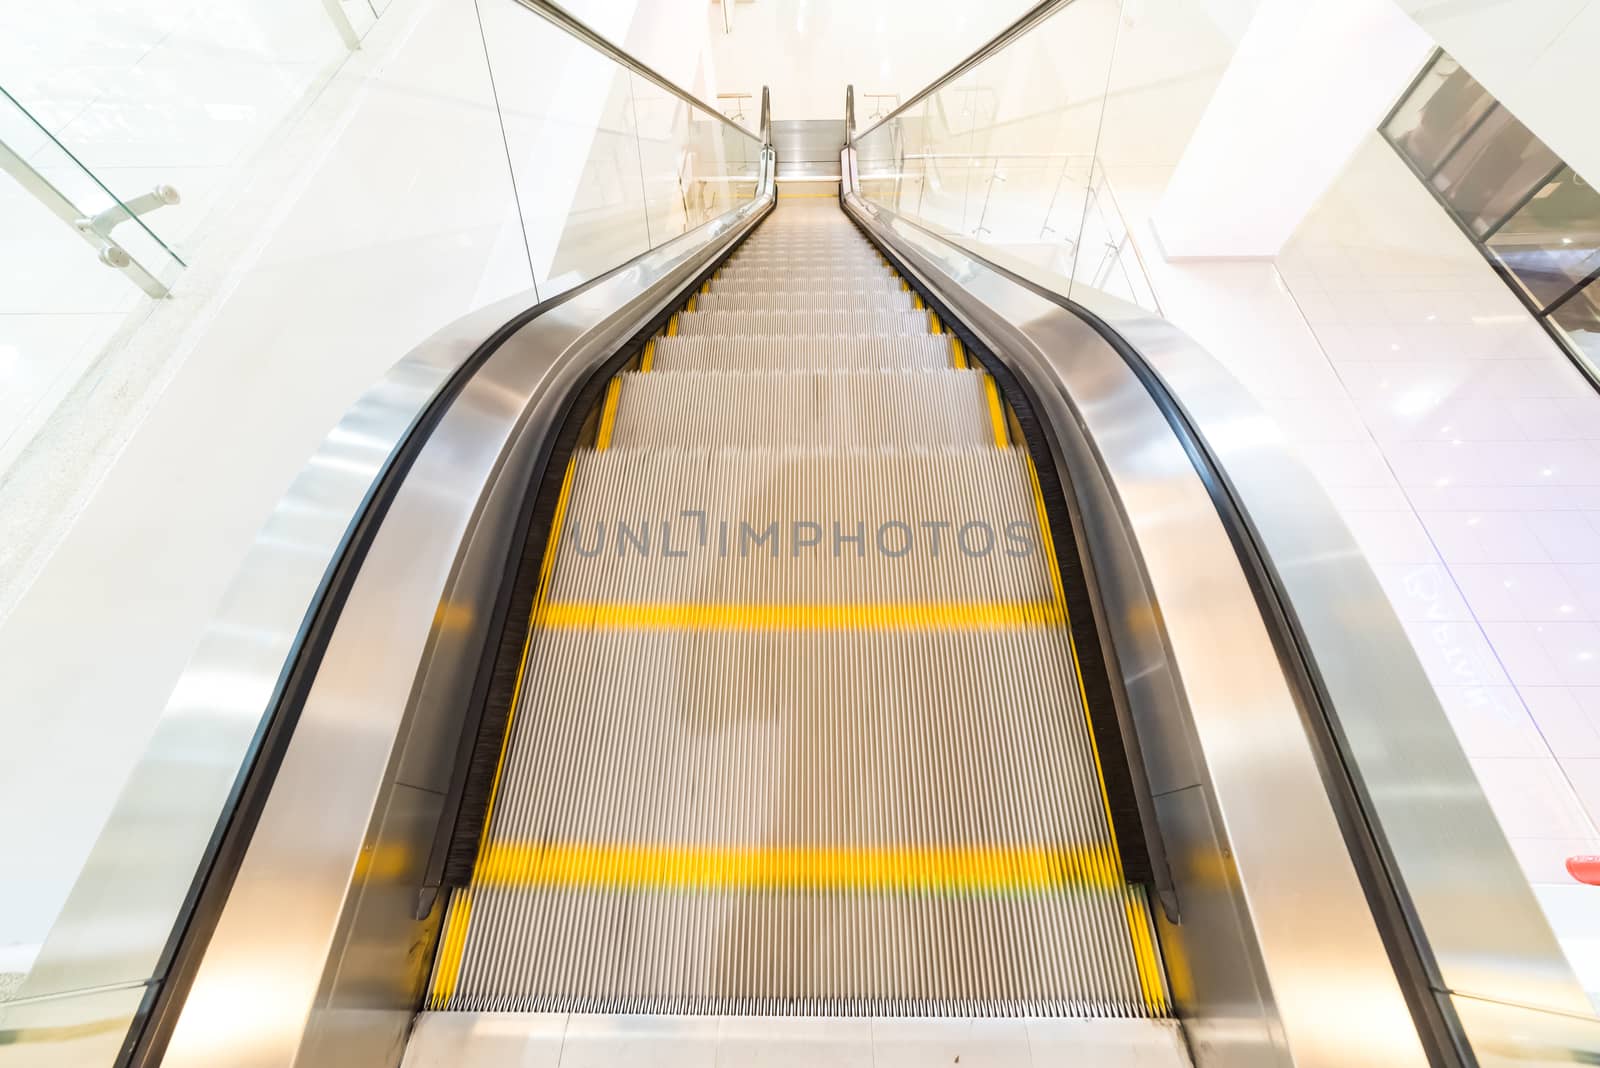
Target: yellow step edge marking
894 615
648 360
689 307
672 326
905 287
997 415
705 287
916 302
1146 957
1109 861
452 945
958 354
933 322
448 967
1114 856
952 869
608 415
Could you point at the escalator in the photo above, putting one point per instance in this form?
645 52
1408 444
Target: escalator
800 727
812 640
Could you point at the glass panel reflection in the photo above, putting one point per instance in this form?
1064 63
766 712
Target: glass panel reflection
1437 116
1531 214
1552 243
1491 172
1004 156
1579 320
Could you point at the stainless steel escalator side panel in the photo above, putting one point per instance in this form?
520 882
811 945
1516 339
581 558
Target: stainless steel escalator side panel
316 957
1473 906
1277 953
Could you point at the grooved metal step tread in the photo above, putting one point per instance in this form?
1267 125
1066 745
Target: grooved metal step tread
810 299
758 281
804 323
902 822
833 254
812 258
775 409
942 528
764 352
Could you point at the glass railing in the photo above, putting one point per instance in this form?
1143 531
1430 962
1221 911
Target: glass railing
1003 155
76 263
125 132
606 161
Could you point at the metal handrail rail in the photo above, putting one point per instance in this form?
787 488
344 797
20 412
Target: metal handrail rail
766 117
564 19
850 114
1031 18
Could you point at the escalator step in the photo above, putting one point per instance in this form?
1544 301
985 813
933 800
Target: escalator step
952 528
748 352
832 300
804 323
763 280
816 822
777 409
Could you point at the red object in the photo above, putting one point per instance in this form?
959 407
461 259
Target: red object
1585 869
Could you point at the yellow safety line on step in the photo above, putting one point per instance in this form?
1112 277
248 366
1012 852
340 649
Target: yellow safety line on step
916 302
958 354
447 969
950 869
890 615
1109 863
672 326
608 415
905 287
1146 959
997 415
689 307
934 326
648 360
1113 860
452 944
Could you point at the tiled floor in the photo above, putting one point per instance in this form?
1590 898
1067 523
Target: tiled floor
539 1040
1463 449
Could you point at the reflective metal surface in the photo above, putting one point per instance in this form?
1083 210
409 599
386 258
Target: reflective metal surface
317 957
1278 959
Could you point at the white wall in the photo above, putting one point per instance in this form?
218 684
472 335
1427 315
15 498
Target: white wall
387 214
807 51
1308 83
1538 58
